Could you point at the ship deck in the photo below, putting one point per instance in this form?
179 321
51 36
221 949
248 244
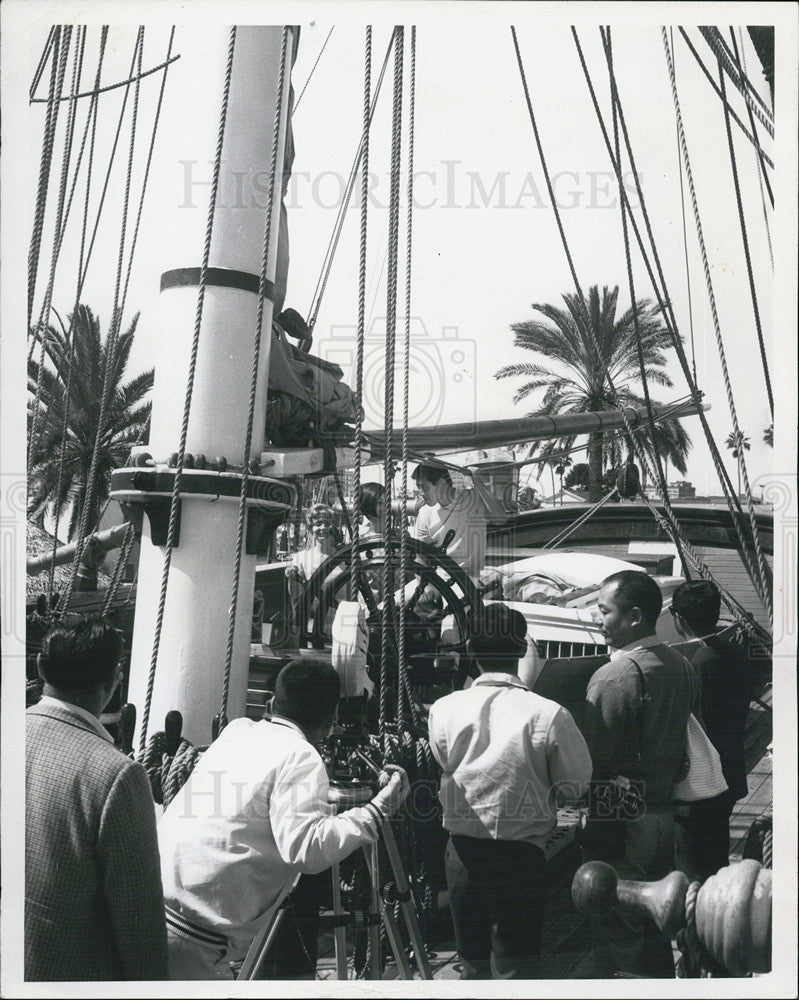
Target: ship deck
566 942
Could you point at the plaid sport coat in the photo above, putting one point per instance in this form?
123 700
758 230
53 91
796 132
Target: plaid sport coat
94 908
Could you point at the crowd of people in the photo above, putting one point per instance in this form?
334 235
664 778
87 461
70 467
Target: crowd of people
111 895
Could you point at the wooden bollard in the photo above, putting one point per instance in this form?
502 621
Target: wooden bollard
173 727
597 888
127 726
733 908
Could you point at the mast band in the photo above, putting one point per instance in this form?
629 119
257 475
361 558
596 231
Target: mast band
222 277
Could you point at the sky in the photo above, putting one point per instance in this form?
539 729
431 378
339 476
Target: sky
485 244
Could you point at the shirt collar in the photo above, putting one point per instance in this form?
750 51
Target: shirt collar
279 720
48 701
646 642
499 678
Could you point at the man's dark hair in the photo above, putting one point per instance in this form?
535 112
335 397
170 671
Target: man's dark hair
307 692
371 495
80 652
698 603
499 632
431 474
636 589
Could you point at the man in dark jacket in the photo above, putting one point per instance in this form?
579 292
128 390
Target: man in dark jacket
636 719
94 909
725 676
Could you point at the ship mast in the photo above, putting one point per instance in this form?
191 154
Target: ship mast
192 649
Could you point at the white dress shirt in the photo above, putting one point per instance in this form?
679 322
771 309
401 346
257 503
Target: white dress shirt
252 816
503 749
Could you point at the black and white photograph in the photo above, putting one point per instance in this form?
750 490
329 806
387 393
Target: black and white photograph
398 523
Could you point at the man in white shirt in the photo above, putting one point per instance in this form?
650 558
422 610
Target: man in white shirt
253 815
505 752
466 512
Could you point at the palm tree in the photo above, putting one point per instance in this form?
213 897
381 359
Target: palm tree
738 443
583 384
52 484
768 435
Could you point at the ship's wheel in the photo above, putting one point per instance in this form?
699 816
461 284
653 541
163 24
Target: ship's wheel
436 589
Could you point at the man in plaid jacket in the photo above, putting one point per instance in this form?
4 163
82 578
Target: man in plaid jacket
94 907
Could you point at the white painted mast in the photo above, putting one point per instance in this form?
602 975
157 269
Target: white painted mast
192 649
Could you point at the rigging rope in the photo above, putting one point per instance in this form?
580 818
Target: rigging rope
638 445
367 78
661 478
575 525
48 45
135 78
327 263
761 563
685 243
60 52
391 323
713 38
403 524
747 254
313 70
173 508
715 87
762 176
256 366
111 343
664 303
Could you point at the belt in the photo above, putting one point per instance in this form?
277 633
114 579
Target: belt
178 925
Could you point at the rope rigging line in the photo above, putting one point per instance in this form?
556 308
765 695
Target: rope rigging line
762 176
403 525
761 562
327 263
360 336
747 254
173 507
116 579
391 323
47 305
575 525
715 87
638 445
685 244
661 478
133 245
664 303
717 44
256 365
111 343
313 70
60 53
48 46
540 148
135 78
